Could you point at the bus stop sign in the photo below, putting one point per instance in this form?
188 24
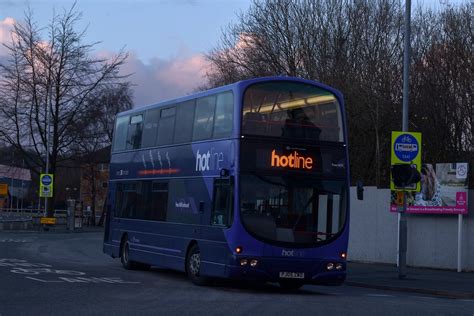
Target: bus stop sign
406 147
406 150
46 185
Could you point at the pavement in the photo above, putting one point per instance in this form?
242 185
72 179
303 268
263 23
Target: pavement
446 283
61 229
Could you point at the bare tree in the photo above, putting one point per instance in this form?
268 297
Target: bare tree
111 101
352 45
443 85
50 79
357 47
97 126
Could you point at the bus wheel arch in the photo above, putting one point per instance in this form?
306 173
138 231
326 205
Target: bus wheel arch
193 264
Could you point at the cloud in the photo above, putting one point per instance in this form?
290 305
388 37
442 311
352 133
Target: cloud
6 26
153 81
162 79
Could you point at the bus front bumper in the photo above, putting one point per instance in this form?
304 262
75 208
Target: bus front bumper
276 269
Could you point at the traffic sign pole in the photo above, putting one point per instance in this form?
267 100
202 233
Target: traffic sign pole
402 225
47 142
46 188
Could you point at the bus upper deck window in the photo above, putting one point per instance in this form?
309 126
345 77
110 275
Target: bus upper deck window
135 130
224 115
292 110
120 134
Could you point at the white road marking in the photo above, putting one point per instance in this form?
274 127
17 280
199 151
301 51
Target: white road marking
380 295
20 266
15 240
114 280
45 270
44 281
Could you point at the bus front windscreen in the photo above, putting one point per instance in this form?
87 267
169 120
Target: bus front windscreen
292 211
291 110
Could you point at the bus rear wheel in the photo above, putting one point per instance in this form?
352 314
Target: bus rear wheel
125 256
193 266
291 285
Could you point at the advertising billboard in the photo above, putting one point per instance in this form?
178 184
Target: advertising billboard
444 190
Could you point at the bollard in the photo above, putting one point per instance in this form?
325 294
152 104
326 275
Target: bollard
70 217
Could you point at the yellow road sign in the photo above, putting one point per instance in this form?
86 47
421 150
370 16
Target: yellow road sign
3 189
48 220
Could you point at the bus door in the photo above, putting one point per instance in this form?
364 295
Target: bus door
215 249
221 214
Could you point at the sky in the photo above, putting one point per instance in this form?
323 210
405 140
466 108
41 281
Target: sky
166 39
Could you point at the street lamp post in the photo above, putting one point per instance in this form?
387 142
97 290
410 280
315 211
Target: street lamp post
70 192
11 181
68 189
402 220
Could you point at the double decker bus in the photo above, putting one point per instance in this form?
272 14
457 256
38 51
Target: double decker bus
245 181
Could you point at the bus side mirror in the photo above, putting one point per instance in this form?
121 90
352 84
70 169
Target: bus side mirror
360 190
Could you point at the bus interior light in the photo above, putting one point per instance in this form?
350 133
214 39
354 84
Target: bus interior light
243 262
238 249
339 266
330 266
253 263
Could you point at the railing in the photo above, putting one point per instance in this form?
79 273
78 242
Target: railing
19 211
31 212
27 214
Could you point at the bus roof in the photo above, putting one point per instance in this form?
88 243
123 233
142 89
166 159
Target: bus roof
233 86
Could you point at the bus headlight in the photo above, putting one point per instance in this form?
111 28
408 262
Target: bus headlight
330 266
338 266
243 262
253 263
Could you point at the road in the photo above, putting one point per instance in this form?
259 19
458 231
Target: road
67 274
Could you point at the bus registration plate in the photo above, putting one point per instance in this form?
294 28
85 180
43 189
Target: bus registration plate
292 275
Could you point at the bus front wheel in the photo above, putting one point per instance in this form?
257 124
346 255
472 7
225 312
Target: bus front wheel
193 266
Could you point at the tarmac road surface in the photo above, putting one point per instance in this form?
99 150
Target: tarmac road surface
67 274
